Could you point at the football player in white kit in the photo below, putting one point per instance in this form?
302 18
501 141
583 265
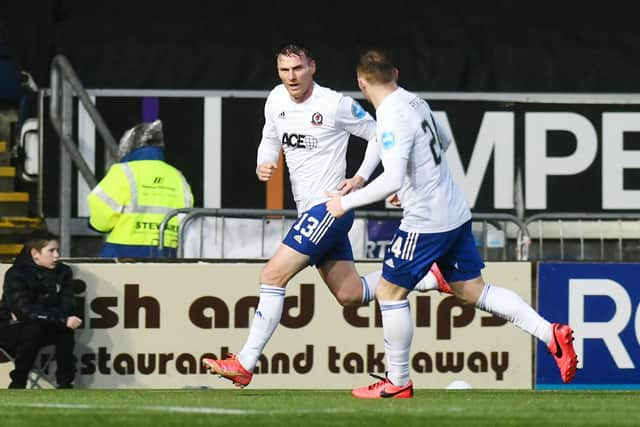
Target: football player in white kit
436 226
312 125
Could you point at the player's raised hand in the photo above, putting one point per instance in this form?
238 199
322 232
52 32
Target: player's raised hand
348 185
265 171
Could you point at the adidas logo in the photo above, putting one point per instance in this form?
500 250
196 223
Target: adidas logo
298 238
281 115
389 263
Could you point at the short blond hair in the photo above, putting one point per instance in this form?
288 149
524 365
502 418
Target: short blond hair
376 67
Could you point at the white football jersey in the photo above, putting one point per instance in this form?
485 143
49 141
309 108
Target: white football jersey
407 129
314 136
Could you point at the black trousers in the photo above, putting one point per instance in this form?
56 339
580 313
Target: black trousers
25 339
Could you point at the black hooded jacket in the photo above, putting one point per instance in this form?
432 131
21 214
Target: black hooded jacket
33 292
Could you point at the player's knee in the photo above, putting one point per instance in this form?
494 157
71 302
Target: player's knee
464 298
346 298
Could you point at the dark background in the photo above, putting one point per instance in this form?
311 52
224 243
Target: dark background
448 46
440 45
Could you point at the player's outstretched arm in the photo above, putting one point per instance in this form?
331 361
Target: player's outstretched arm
383 186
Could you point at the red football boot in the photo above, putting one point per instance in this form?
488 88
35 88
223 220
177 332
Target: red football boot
383 389
229 368
561 347
443 286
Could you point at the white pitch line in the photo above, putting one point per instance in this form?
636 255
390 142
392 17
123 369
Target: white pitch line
201 410
181 409
52 405
220 411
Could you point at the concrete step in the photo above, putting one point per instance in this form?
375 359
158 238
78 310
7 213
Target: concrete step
7 178
5 153
13 229
20 222
10 250
14 204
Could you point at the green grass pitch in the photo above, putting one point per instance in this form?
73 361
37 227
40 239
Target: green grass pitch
310 408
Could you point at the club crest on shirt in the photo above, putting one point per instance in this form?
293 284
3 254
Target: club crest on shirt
357 110
388 140
316 119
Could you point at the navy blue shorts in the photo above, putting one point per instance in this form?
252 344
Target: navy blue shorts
321 236
410 255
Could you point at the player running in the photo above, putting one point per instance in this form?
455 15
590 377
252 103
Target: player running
435 227
312 125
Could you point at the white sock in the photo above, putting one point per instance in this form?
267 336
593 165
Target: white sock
265 321
370 282
510 306
398 333
428 283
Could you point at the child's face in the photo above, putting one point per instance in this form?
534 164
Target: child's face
47 256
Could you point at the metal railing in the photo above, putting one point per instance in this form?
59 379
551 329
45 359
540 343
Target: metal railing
65 84
603 234
502 222
488 221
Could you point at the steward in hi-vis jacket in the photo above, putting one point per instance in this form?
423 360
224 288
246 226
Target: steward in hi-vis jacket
135 195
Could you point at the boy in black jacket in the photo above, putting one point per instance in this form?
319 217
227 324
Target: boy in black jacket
37 309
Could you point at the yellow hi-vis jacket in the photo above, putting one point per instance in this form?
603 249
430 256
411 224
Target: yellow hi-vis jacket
131 201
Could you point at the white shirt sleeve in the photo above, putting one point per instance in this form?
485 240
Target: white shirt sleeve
351 117
269 148
387 183
370 161
396 140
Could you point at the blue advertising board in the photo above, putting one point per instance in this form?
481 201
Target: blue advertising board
600 301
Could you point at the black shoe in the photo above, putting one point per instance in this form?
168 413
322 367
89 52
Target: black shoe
65 386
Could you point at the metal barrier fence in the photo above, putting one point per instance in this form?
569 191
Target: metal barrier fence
585 236
501 236
64 85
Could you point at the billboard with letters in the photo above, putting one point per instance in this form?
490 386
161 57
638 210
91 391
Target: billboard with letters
150 324
601 303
